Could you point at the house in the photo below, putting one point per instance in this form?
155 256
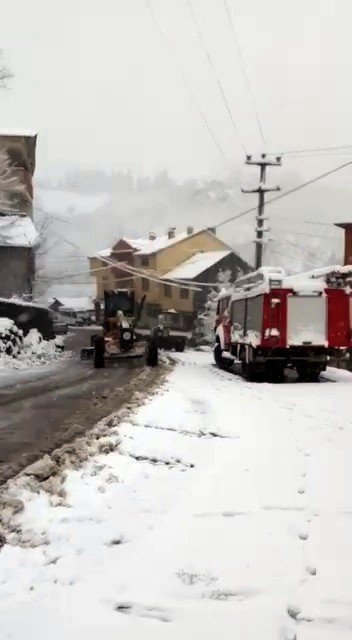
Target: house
84 306
168 260
18 237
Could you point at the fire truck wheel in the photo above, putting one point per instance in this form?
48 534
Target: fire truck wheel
99 352
308 374
276 373
248 371
222 363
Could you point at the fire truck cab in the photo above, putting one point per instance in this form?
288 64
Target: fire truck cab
274 321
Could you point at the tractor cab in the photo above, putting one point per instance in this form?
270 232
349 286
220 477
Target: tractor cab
165 323
121 315
166 336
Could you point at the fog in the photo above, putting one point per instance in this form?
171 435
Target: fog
108 90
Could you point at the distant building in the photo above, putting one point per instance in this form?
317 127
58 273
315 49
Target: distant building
18 236
188 256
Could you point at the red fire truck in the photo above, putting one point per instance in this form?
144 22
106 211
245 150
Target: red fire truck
271 322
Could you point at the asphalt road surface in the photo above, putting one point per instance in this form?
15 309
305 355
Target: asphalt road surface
51 407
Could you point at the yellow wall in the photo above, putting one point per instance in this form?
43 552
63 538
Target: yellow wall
105 279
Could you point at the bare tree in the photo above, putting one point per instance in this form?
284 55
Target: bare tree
5 73
11 186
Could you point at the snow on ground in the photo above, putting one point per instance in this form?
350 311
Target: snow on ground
225 512
34 351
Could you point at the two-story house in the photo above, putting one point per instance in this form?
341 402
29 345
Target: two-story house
168 262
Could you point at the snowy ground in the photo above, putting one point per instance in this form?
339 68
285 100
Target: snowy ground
225 512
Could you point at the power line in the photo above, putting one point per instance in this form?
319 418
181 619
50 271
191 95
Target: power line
300 233
211 63
323 224
294 258
244 69
190 93
284 194
315 149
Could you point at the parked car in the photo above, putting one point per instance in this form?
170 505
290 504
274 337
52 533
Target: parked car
60 324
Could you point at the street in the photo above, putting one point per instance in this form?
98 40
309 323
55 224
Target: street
55 405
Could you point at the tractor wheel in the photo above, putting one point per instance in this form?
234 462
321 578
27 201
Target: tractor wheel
99 352
152 355
223 363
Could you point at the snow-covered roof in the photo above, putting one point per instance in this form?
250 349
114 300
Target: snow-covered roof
84 303
138 243
22 303
197 264
17 231
322 272
146 246
104 253
14 133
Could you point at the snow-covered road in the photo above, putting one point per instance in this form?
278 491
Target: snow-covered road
229 515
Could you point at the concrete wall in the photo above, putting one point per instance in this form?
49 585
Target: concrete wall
16 271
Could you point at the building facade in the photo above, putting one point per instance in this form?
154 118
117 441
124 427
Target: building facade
159 258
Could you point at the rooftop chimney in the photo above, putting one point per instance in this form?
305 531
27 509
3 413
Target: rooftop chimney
190 231
152 235
347 226
171 232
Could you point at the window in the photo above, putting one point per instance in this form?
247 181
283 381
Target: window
184 293
152 310
145 284
145 261
167 291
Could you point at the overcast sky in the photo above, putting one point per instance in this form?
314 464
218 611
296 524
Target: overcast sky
95 79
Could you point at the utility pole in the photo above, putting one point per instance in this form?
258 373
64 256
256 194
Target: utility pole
263 162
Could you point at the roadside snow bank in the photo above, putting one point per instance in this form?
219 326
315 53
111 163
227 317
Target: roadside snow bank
219 508
18 353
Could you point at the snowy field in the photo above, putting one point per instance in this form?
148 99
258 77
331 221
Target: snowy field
224 512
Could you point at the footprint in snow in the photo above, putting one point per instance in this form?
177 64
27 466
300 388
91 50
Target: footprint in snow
190 579
303 535
311 570
141 611
229 594
301 490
